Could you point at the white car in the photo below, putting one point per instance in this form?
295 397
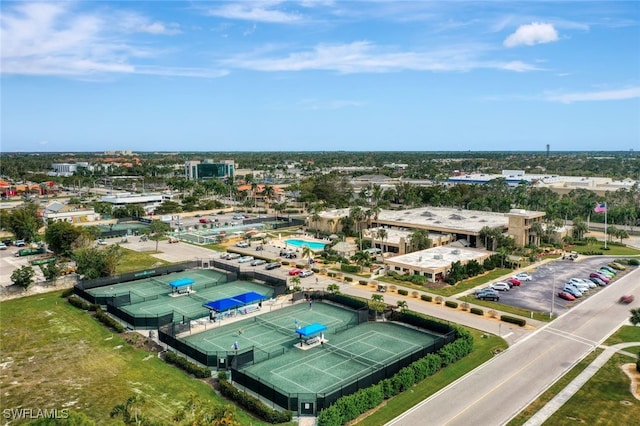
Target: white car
245 259
102 243
242 244
523 276
501 286
305 273
583 281
258 262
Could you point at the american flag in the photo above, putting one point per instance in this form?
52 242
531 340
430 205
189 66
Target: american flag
600 208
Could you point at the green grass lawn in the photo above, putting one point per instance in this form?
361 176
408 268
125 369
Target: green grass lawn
605 399
56 356
484 348
612 250
136 261
450 290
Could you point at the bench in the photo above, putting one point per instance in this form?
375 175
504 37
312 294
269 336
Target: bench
184 291
250 309
312 340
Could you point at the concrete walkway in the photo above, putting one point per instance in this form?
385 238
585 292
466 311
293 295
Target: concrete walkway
560 399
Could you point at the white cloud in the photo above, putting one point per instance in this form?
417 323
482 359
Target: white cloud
531 34
263 11
605 95
54 39
366 57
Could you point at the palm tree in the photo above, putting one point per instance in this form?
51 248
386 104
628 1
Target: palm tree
402 304
419 240
307 252
537 231
129 410
579 228
267 193
635 316
377 304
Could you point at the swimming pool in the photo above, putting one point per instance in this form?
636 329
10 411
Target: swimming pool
311 244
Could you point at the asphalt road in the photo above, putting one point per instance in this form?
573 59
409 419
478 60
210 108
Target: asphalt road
495 392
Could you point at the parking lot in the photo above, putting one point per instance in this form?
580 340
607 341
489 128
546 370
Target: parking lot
541 294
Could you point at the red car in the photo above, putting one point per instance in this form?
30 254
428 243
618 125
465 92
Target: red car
627 298
295 271
514 281
566 296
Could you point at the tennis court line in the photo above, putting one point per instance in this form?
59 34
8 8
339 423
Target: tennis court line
296 383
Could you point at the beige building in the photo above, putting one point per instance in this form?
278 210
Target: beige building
434 263
520 223
58 212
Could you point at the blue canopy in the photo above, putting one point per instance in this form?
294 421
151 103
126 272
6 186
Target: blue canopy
223 304
249 297
311 329
181 282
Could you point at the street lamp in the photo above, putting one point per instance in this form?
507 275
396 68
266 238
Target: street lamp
553 294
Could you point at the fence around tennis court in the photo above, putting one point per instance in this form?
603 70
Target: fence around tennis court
311 403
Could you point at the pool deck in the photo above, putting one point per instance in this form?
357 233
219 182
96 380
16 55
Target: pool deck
304 237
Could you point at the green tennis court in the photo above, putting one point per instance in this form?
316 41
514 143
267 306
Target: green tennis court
271 331
346 357
190 305
160 285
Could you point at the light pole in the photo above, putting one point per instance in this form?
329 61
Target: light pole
553 294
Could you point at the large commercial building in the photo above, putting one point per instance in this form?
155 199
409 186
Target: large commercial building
208 169
148 201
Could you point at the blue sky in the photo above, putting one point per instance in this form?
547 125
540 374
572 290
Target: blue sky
320 75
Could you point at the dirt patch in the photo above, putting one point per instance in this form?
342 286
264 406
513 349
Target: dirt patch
630 371
139 341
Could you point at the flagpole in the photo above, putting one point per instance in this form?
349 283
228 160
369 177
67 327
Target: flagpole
605 226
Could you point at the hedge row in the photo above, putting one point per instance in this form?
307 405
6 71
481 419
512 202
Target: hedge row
253 404
426 297
403 292
188 366
348 279
451 304
476 311
108 321
351 269
351 406
362 282
513 320
78 303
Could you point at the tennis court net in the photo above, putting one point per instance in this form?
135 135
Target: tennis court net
350 355
200 298
273 326
157 282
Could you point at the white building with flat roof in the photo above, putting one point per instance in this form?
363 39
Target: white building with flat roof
434 263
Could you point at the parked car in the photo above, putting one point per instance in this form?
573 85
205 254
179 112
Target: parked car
606 273
242 244
245 259
3 246
204 220
601 276
566 295
501 286
572 291
305 273
8 242
583 287
257 262
232 256
488 294
582 281
295 271
618 266
598 281
238 217
514 281
610 269
100 242
523 276
173 240
19 243
272 265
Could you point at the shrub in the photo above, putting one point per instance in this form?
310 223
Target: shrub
66 293
315 270
426 298
188 366
451 304
513 320
253 404
348 279
108 321
476 311
350 269
634 262
285 263
363 282
78 303
222 375
403 292
331 274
